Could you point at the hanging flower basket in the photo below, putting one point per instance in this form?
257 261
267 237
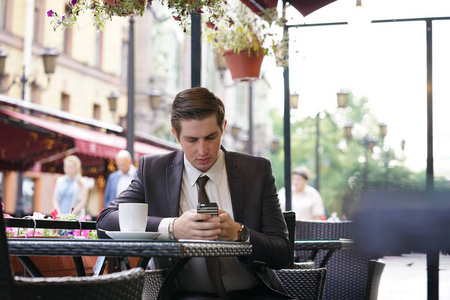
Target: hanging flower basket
126 7
244 67
103 10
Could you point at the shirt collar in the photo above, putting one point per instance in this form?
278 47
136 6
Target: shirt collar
131 171
214 173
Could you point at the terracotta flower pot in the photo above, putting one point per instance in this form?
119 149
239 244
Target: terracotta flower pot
242 66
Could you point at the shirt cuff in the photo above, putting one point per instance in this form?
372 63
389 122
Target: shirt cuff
163 228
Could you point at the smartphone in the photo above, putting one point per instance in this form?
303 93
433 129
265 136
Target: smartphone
208 208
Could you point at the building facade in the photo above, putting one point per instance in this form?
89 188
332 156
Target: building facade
92 65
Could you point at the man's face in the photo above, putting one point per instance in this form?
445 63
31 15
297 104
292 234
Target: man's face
299 182
201 140
123 164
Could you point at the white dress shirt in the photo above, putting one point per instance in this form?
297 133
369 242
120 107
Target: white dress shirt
125 179
306 204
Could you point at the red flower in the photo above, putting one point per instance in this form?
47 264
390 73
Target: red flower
54 214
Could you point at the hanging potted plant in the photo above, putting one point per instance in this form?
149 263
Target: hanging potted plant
245 38
103 11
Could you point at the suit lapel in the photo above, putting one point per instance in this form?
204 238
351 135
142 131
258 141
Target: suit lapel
174 174
236 184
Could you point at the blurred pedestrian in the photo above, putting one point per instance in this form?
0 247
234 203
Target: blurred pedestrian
306 200
120 179
71 190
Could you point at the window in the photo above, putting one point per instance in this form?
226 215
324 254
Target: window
38 21
5 14
98 49
123 63
97 111
67 45
35 93
65 102
4 82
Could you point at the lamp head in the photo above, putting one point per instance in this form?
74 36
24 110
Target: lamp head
112 101
342 97
154 98
49 58
294 100
3 56
383 129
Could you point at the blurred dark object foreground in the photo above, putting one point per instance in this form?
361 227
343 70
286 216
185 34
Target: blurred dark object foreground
398 222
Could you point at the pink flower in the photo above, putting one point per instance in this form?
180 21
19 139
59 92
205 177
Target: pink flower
54 214
50 13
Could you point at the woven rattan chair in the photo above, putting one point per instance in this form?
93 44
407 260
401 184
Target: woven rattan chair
351 274
152 284
126 285
301 279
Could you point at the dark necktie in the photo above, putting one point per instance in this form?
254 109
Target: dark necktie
212 263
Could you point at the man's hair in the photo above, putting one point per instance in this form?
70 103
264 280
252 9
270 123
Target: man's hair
196 104
302 171
123 154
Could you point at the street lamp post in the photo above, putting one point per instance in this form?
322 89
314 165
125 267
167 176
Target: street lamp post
317 150
369 144
130 110
383 133
250 119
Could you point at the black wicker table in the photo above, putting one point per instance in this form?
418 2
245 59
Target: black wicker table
24 247
181 250
121 248
316 245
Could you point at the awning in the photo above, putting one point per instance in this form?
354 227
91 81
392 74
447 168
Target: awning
305 7
26 140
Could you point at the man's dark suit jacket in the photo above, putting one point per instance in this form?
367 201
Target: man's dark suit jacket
253 195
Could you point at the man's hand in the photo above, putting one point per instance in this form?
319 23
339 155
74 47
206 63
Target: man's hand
192 225
229 228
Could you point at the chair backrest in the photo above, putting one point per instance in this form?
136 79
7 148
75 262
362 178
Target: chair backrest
289 218
6 277
351 274
124 285
315 230
305 284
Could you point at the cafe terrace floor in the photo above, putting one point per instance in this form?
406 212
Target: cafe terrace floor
405 277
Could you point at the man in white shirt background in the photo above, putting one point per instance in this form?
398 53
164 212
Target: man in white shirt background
306 200
120 179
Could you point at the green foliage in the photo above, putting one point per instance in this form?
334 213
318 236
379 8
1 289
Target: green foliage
102 11
343 161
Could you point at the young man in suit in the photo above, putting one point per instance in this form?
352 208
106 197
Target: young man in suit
244 188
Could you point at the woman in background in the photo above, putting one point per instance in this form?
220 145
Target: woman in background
71 191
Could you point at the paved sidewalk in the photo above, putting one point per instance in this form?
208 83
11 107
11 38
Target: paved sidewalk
405 277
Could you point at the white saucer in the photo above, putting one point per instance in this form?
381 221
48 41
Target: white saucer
123 235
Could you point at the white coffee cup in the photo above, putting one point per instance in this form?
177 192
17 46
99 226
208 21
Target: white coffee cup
133 217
